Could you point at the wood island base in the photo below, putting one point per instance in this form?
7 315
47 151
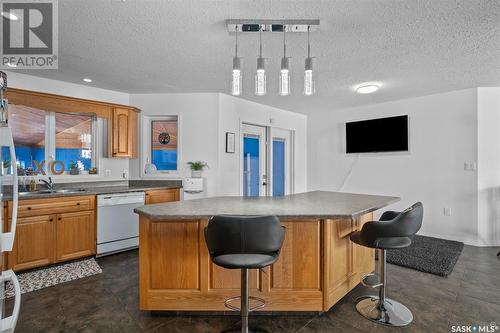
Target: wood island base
318 265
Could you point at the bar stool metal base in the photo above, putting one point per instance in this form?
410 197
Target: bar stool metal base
250 330
394 313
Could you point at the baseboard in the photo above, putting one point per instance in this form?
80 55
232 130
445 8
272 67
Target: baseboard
473 241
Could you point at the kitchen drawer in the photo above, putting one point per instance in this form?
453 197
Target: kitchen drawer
160 196
36 207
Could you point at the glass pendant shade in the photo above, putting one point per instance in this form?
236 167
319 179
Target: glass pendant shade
284 87
236 83
260 78
308 78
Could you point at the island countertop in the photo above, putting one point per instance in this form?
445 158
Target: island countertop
308 205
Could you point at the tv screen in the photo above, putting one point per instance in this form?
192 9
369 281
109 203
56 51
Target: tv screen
377 135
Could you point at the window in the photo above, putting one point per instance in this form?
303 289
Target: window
164 141
73 134
41 137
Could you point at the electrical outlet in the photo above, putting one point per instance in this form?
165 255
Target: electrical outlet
447 211
470 166
107 173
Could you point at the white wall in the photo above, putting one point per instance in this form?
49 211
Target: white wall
28 82
488 151
233 112
443 136
204 120
198 117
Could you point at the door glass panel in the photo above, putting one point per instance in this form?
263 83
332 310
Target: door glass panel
278 167
251 166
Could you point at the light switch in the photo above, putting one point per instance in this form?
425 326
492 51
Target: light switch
470 166
447 211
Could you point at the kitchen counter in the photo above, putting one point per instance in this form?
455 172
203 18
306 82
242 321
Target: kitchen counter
310 205
318 263
96 188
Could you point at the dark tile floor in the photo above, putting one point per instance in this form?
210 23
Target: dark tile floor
108 302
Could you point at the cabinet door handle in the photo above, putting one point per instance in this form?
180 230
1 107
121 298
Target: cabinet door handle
59 219
29 208
51 220
78 204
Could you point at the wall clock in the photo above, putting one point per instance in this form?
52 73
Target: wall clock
164 138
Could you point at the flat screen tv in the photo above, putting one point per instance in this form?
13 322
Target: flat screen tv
377 135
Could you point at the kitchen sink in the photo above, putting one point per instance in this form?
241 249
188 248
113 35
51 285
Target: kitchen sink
60 191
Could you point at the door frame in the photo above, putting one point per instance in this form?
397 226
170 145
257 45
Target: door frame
268 144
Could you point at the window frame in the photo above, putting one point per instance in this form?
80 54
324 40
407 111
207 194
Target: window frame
50 153
50 145
145 151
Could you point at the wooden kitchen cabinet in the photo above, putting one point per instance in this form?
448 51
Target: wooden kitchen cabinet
52 230
34 245
122 119
76 235
123 132
159 196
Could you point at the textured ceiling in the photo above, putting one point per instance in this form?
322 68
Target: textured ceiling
413 47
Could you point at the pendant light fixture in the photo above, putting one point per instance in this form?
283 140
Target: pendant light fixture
260 76
236 84
284 88
309 88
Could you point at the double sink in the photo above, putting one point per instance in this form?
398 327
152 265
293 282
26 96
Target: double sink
54 191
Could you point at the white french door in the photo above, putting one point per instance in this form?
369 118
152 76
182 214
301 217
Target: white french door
281 180
267 161
254 160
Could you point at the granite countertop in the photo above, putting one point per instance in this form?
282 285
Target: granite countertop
309 205
96 188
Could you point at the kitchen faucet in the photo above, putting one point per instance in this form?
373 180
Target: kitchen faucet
50 184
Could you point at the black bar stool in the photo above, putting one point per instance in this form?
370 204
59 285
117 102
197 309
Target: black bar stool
244 242
393 231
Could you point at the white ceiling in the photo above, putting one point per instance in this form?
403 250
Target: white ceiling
413 47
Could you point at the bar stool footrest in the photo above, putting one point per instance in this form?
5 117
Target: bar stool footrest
261 303
371 280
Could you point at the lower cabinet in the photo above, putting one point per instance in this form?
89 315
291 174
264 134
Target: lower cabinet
76 235
34 245
51 238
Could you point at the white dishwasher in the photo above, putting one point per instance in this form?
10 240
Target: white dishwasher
117 224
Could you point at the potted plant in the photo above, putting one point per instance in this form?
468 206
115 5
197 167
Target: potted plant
197 168
73 168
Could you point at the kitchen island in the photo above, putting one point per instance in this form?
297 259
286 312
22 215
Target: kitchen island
318 263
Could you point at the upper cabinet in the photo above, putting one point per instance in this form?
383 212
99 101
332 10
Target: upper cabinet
122 120
123 133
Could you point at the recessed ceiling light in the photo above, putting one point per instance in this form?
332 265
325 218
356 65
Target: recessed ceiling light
10 16
87 80
367 87
11 65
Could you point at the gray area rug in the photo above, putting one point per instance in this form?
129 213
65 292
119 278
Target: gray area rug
50 276
428 254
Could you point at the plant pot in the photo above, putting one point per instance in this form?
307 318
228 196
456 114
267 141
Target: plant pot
196 173
74 171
